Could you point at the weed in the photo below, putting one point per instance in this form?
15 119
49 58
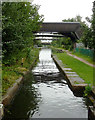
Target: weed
12 72
75 82
5 78
87 90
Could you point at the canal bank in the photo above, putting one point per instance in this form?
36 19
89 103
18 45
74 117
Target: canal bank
12 91
46 94
77 85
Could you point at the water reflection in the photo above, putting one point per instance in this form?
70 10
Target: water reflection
25 101
58 100
45 94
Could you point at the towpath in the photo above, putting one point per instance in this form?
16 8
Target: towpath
78 58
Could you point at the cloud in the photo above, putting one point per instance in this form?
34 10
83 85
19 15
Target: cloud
56 10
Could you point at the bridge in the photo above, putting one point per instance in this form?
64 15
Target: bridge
46 39
48 35
69 29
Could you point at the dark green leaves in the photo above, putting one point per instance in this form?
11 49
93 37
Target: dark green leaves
19 21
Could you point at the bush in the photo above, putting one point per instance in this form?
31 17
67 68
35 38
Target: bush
87 90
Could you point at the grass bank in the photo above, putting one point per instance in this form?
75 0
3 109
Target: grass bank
82 69
78 54
11 73
85 57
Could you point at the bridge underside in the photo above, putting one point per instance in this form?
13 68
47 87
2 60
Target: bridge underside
69 29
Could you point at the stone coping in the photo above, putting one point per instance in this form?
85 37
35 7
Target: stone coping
11 92
76 84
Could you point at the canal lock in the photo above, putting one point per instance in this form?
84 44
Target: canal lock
45 94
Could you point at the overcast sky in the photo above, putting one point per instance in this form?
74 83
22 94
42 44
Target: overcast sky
57 10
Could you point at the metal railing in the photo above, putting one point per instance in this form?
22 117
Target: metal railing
86 52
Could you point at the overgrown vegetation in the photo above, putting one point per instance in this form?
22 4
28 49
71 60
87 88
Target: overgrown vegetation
65 42
19 21
11 73
87 90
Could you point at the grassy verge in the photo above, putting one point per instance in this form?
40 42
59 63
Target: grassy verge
87 58
82 69
11 73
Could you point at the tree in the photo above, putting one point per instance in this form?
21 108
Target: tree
93 26
19 21
64 42
86 38
78 18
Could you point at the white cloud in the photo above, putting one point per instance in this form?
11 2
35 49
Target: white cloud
56 10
